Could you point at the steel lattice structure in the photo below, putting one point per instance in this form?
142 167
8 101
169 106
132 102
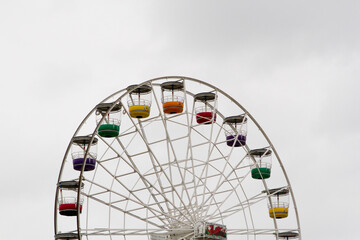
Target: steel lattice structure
164 174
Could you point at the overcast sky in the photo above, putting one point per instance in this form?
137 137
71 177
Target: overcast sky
293 64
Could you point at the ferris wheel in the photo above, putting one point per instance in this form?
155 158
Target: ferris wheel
173 158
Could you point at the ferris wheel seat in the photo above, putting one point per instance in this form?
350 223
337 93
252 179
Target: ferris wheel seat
261 173
89 164
139 111
280 212
205 117
69 209
173 107
230 140
109 130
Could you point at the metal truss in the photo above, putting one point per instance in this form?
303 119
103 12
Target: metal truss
165 173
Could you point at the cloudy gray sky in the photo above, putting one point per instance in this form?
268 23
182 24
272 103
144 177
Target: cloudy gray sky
293 64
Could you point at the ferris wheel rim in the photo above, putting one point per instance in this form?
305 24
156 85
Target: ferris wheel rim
127 90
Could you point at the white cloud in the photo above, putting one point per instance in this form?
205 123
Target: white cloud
293 65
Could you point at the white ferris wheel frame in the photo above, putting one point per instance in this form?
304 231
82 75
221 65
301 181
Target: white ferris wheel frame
139 128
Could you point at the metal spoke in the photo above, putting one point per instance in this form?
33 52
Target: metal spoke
170 146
